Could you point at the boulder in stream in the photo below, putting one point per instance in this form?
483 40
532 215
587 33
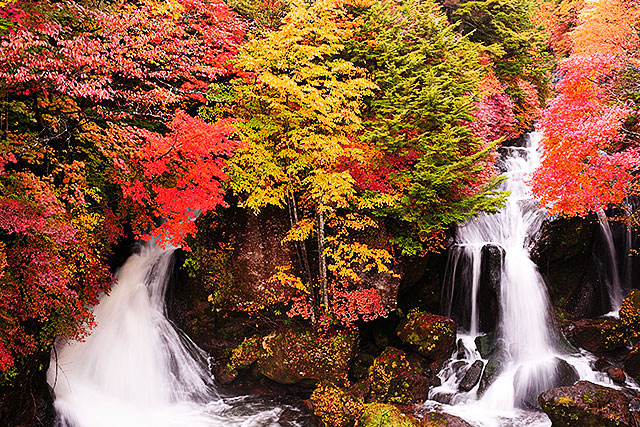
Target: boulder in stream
471 376
491 371
441 419
486 344
432 336
489 290
585 404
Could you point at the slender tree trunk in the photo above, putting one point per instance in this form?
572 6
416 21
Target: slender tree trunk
303 258
323 260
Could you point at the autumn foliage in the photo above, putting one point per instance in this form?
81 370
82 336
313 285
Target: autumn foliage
95 137
591 158
372 124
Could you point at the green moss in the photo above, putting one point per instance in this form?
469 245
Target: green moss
384 415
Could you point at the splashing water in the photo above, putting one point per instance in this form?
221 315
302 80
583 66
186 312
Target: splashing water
526 357
135 369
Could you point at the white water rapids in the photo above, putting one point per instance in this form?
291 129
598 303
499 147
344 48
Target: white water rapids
135 369
526 346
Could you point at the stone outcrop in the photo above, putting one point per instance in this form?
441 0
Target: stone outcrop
587 405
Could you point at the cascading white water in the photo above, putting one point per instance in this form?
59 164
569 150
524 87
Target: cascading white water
612 273
528 362
135 369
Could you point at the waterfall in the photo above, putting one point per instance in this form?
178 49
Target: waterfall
611 270
522 348
135 369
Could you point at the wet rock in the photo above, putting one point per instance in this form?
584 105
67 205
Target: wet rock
563 254
334 406
564 345
460 350
532 380
486 344
301 355
458 365
597 335
489 375
632 362
492 257
472 376
384 415
586 405
440 419
432 336
394 379
616 374
566 374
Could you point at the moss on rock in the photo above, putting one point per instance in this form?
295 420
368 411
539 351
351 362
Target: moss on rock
384 415
394 379
334 406
304 355
431 335
586 405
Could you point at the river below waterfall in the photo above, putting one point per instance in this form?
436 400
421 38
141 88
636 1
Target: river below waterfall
135 369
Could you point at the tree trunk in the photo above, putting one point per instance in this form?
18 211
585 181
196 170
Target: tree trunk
323 260
303 258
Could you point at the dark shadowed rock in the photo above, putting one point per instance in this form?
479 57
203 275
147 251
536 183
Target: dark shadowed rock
489 289
616 374
597 335
486 344
566 374
632 362
587 405
489 375
472 376
432 336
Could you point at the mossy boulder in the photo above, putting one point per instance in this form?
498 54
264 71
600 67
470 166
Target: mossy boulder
304 355
586 405
334 406
431 335
384 415
393 378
